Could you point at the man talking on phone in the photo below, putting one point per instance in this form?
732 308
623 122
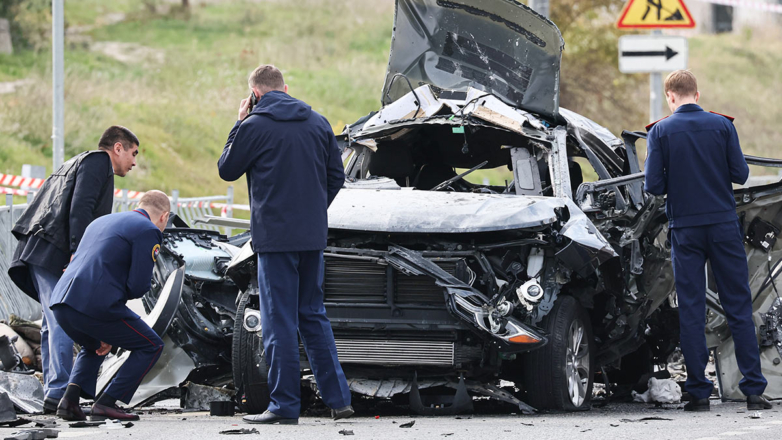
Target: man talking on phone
294 171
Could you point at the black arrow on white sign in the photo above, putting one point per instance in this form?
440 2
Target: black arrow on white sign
668 53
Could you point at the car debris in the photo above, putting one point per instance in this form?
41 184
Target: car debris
661 391
346 432
408 424
24 390
34 434
240 431
201 397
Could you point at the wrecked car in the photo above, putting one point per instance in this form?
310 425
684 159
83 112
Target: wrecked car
433 280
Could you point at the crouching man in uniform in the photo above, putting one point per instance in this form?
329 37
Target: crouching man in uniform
112 265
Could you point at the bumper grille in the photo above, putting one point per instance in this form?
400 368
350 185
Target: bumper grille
389 352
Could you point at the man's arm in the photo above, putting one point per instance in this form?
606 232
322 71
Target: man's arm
654 167
737 164
240 152
91 177
146 247
335 169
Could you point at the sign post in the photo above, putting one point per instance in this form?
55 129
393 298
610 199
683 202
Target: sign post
653 53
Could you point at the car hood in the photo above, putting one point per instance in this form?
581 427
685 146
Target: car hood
501 47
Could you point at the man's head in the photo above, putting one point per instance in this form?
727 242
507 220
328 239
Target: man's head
122 146
158 207
681 88
266 78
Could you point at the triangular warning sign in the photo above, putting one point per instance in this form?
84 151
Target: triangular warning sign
655 14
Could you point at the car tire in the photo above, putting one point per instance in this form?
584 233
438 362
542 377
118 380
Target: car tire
559 376
249 365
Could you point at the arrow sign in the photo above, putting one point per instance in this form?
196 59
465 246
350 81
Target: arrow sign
668 53
652 53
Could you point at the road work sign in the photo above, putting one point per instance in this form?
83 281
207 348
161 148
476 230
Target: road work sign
652 53
655 14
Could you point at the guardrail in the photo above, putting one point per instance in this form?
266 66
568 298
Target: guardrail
14 301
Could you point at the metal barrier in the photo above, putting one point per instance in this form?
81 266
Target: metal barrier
14 301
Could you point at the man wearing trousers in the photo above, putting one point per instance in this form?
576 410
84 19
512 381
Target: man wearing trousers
49 232
89 303
294 171
693 157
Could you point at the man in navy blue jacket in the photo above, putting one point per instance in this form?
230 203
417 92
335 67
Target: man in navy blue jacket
294 170
693 156
112 266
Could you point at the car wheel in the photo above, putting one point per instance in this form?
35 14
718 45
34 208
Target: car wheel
559 375
249 365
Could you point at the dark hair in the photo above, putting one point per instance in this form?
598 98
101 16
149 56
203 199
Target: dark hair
266 78
117 133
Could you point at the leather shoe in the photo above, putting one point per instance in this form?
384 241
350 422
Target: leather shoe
103 412
269 418
757 402
70 411
342 413
50 405
698 405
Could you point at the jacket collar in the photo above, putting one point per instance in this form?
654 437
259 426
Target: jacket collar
142 212
689 108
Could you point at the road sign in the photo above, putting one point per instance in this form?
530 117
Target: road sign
652 53
655 14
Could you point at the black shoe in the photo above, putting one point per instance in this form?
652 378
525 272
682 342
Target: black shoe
757 402
698 405
70 411
342 413
269 418
103 412
50 405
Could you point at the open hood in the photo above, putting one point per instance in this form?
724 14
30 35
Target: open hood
498 46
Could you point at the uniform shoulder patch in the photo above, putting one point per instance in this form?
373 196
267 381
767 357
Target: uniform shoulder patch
155 252
649 127
730 118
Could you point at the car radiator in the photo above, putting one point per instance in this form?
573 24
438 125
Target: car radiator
363 282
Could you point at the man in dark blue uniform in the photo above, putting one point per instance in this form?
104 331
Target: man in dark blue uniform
294 171
49 232
113 265
693 156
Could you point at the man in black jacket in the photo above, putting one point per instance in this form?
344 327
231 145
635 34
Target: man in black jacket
49 232
294 171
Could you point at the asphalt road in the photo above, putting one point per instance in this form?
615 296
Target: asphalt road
615 421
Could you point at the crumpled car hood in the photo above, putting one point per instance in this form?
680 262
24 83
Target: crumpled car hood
501 47
429 212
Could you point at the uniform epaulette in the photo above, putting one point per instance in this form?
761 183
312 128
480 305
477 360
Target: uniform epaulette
649 127
730 118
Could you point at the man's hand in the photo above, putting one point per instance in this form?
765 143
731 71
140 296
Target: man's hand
104 349
243 108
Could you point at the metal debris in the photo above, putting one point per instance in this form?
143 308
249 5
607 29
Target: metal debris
408 424
25 391
644 419
346 432
199 397
240 431
34 434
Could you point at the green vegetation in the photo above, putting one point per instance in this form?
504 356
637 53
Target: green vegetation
185 71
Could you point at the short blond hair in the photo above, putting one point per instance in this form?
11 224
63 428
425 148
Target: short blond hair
682 83
266 78
156 201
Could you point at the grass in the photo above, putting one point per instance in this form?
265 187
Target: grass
333 54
